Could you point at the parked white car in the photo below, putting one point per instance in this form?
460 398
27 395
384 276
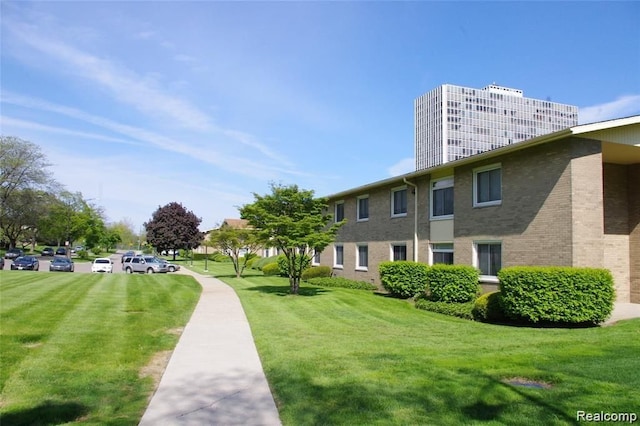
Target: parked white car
102 264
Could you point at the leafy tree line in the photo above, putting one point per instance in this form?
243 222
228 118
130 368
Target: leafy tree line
35 208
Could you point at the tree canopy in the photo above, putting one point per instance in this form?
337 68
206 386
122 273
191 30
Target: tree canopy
172 227
240 243
294 221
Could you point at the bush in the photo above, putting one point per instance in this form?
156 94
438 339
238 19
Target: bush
97 250
557 294
83 254
283 262
253 260
315 272
259 264
460 310
271 269
453 283
403 278
487 308
341 282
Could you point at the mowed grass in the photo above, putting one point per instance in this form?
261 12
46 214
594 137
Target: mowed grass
346 357
74 345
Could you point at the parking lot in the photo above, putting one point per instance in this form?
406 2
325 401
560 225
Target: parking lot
79 266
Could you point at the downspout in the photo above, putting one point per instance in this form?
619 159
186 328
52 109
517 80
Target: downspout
415 218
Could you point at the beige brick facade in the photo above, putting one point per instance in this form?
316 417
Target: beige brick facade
562 204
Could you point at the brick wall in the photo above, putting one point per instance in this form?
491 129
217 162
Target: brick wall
534 220
633 181
587 203
616 227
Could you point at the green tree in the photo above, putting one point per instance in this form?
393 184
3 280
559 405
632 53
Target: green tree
239 243
126 232
23 179
172 227
294 221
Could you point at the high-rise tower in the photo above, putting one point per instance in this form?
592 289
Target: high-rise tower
453 122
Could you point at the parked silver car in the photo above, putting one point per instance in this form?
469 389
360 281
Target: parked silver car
144 264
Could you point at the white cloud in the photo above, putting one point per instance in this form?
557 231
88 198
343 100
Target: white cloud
406 165
624 106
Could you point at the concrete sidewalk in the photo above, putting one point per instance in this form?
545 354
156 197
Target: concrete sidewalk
214 376
622 311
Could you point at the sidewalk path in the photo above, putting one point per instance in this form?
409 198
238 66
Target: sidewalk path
214 376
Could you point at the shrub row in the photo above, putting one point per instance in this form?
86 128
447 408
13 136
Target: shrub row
316 272
460 310
271 269
556 294
259 264
341 282
443 283
403 278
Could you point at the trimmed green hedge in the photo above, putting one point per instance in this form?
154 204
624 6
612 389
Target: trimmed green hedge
271 269
403 278
259 264
487 308
460 310
557 294
453 283
315 272
341 282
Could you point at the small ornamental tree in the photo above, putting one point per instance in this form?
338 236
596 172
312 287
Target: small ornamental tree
294 221
239 243
172 227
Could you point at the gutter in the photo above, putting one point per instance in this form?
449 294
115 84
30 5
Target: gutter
415 218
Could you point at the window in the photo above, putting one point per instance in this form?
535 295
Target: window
487 186
399 202
398 252
442 198
362 255
338 256
316 258
339 211
489 258
442 253
363 208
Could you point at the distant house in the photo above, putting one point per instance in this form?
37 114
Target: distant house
569 198
234 223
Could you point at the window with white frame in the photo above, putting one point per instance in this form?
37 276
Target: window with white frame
316 258
362 257
339 211
442 253
487 186
488 257
399 202
398 252
442 198
363 208
338 256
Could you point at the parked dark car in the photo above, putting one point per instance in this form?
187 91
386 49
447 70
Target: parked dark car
26 262
61 251
13 253
61 264
47 251
1 263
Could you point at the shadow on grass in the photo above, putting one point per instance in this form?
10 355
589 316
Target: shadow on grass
441 397
47 413
284 290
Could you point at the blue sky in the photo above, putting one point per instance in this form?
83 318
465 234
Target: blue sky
137 104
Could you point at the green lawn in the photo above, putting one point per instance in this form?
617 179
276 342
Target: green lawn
346 357
74 345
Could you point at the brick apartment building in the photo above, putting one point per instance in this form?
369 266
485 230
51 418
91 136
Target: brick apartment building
568 198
